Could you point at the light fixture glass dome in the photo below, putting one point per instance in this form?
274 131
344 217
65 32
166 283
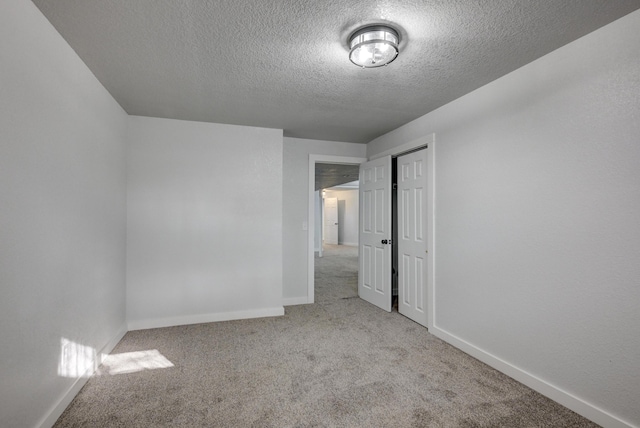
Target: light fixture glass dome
373 46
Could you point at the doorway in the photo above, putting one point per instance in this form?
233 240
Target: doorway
336 264
325 172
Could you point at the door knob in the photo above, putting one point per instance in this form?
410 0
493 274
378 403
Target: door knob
384 241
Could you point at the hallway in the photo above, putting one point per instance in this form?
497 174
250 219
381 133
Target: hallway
336 273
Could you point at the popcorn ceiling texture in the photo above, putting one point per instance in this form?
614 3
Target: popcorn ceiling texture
283 63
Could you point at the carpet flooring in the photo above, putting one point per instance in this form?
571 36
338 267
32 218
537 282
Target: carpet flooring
340 362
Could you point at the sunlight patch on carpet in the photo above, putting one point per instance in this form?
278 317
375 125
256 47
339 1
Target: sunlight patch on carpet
131 362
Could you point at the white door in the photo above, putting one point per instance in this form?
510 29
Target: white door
331 221
374 275
412 239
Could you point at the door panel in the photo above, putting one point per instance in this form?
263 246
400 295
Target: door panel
412 242
331 221
374 276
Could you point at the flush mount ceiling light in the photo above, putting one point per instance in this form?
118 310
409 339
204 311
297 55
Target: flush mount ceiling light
373 46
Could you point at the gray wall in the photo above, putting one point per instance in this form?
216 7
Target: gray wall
204 222
62 219
296 205
537 212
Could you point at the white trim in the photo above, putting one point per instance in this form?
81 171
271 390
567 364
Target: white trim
418 142
292 301
54 413
313 159
431 231
349 244
205 318
581 407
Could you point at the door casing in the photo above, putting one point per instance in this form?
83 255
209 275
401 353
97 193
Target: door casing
313 159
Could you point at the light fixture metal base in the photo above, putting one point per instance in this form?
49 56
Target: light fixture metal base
373 46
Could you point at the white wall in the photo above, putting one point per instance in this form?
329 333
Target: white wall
296 205
62 219
348 210
537 221
204 222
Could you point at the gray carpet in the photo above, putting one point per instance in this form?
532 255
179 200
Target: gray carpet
338 363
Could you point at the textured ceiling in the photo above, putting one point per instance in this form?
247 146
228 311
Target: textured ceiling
283 63
329 175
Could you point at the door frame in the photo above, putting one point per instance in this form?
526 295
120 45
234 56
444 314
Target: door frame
311 225
428 140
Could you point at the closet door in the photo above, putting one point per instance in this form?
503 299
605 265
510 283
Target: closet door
412 239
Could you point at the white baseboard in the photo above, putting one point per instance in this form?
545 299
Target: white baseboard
52 416
568 400
349 244
292 301
205 318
